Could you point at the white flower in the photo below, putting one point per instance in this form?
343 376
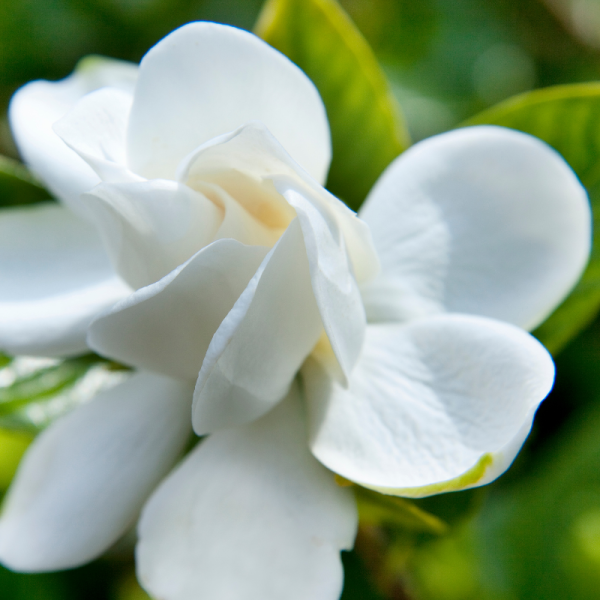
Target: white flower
191 196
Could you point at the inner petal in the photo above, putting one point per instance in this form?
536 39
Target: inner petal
242 211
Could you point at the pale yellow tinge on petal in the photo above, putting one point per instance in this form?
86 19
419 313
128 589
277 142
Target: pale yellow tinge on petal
467 480
324 354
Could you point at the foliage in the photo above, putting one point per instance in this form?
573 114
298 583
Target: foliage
366 128
567 118
535 533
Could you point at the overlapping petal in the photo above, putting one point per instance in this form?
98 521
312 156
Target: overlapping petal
37 106
54 279
249 514
167 327
259 347
84 480
205 80
438 404
150 228
482 220
254 167
96 129
333 282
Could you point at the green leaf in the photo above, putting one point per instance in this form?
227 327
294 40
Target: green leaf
18 185
378 509
366 127
40 390
568 118
543 535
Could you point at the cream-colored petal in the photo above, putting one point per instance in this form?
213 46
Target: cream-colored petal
204 80
38 105
150 228
54 279
482 220
85 478
167 327
250 515
259 347
439 404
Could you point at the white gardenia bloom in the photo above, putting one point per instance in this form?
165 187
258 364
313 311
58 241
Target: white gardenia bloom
194 241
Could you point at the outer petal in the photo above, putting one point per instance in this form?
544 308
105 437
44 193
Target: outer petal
482 220
440 404
84 480
167 327
34 109
151 227
204 80
249 514
54 279
259 347
96 129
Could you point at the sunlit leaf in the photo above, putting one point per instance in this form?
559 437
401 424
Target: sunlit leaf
12 447
567 118
34 392
18 185
366 127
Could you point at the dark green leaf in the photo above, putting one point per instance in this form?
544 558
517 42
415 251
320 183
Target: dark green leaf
366 127
17 185
543 535
567 118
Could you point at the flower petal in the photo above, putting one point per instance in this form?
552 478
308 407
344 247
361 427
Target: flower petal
260 345
338 244
96 129
334 285
167 327
183 99
482 220
38 105
249 514
253 167
83 481
151 227
54 279
439 404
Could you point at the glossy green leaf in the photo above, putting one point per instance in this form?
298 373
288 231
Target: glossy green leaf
366 127
37 391
567 118
18 185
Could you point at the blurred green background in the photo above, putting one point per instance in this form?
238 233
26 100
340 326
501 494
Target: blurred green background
535 533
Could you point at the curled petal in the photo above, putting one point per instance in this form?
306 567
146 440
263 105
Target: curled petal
183 99
38 105
83 482
96 129
259 347
481 220
167 326
333 281
54 279
440 404
253 167
249 514
151 227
